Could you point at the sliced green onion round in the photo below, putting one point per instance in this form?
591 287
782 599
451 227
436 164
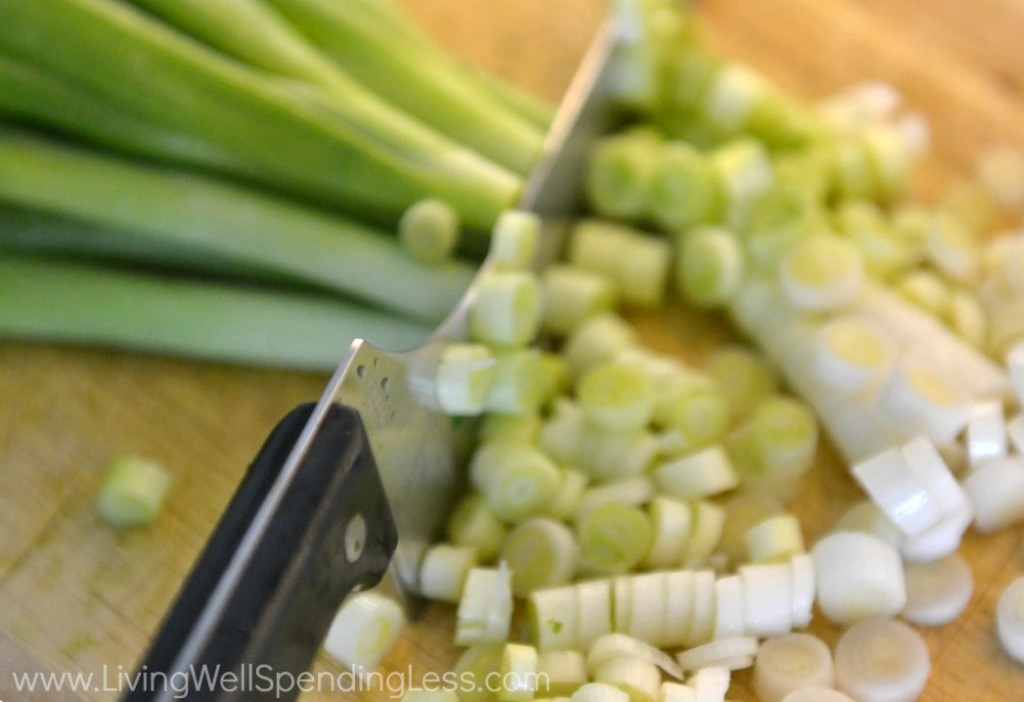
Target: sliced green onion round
514 240
996 491
614 538
858 577
364 630
518 673
619 645
767 599
619 173
506 311
718 653
598 340
889 481
702 621
671 519
679 603
633 491
708 523
777 538
443 571
599 692
937 592
462 381
516 480
484 614
133 492
561 672
789 662
707 472
429 230
616 396
519 384
594 610
824 272
882 660
684 189
710 266
554 618
541 553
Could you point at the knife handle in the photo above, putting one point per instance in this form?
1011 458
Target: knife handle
290 547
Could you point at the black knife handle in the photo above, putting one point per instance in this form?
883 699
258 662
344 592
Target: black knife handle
330 532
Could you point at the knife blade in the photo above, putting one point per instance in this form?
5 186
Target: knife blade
360 481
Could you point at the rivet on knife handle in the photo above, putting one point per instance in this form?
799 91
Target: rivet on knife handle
260 612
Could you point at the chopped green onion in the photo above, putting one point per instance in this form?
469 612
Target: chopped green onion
616 397
597 340
791 662
555 618
638 263
859 577
938 591
671 519
561 671
709 267
484 613
133 492
614 538
620 171
463 379
443 571
518 673
364 630
573 295
882 660
520 384
694 476
777 538
515 239
429 230
684 188
506 310
541 553
517 481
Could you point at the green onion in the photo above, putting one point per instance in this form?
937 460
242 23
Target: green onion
213 217
351 152
30 92
87 305
412 76
614 538
429 230
133 492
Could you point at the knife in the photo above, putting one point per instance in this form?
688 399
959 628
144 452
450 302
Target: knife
355 484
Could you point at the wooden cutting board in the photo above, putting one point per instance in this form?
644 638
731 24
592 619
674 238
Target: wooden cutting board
82 598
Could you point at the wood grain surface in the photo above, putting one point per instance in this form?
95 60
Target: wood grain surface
83 598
